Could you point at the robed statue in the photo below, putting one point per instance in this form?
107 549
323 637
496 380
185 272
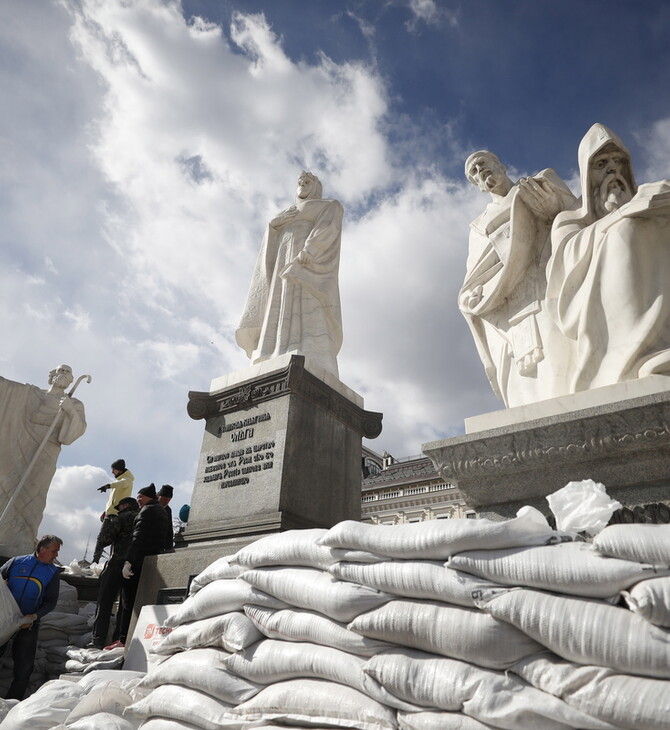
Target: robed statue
293 305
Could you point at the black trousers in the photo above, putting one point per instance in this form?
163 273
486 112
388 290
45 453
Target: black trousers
108 591
24 647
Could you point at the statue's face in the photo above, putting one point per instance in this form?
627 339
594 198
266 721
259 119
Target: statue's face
305 185
607 175
488 174
61 376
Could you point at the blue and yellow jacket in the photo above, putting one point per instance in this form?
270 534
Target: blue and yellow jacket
33 584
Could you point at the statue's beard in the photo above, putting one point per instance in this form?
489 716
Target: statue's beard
613 192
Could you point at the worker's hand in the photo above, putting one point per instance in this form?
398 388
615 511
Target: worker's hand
127 571
29 620
103 488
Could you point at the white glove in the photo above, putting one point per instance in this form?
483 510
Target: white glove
29 619
127 571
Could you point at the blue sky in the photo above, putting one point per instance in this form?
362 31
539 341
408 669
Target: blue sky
145 145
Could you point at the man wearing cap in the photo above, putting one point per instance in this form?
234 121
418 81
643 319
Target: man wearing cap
33 581
116 531
164 496
150 533
121 487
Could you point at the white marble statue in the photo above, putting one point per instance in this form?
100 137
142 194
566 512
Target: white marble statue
609 272
524 354
293 305
28 412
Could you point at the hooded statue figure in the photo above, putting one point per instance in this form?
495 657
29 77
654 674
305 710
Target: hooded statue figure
607 278
293 305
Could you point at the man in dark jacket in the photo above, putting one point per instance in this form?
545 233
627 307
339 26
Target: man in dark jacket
33 581
165 494
150 532
116 531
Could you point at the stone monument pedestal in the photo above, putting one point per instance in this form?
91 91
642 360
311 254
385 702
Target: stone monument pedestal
281 450
618 435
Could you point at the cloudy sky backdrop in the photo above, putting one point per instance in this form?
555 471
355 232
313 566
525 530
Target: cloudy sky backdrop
146 143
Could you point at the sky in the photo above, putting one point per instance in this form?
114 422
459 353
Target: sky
145 144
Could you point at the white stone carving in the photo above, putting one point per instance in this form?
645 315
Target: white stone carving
608 275
524 354
293 305
28 413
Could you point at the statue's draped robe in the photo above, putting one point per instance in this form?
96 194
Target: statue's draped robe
291 307
608 280
508 251
26 412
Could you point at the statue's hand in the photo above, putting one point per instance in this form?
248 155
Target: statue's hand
304 257
66 404
540 198
472 298
284 217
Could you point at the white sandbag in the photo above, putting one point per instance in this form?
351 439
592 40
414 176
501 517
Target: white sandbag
439 721
574 568
104 697
651 600
453 631
220 569
293 547
439 539
125 677
585 631
272 661
494 698
414 579
217 598
103 721
231 631
162 723
67 598
641 543
582 506
184 705
315 590
299 625
635 703
313 702
11 617
50 705
204 670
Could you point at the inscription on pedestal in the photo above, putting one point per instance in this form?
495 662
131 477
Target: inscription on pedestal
247 448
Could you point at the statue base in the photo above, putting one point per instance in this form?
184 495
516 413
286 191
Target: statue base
618 435
281 450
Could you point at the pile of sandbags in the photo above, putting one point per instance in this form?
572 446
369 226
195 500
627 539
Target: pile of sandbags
464 624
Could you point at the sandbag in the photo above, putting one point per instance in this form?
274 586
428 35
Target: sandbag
453 631
315 590
414 579
574 568
272 661
104 697
651 600
125 677
231 631
11 617
501 700
220 569
635 703
182 704
163 723
585 631
50 705
204 670
640 543
219 597
439 721
313 702
293 547
103 721
299 625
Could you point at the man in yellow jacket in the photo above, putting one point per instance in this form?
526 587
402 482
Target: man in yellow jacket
121 487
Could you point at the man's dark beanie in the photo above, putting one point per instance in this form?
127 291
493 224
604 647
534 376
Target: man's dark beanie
166 491
119 465
149 491
130 501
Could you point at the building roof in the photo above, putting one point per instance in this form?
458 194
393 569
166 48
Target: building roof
407 471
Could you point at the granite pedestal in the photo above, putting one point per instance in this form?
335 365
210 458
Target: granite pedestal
618 435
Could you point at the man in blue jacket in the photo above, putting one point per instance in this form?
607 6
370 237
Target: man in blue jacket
33 581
